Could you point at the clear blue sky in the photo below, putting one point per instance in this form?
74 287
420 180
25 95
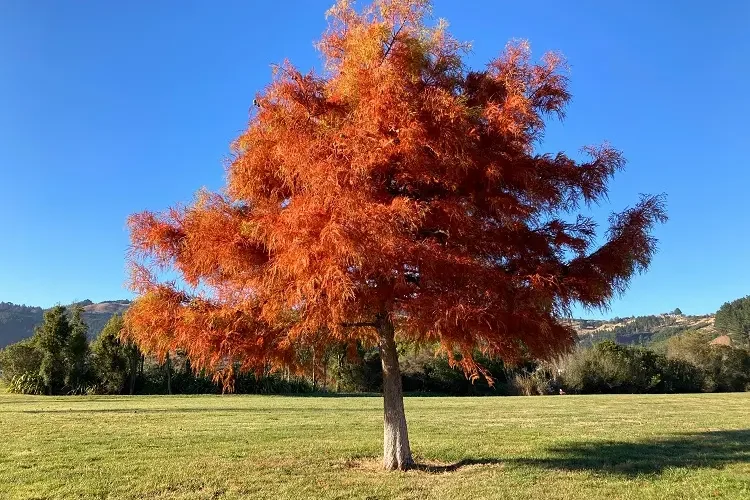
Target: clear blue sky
109 108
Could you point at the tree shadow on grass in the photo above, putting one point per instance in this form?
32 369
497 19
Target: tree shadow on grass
704 450
466 462
697 450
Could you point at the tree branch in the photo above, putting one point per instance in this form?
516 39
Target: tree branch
392 42
359 324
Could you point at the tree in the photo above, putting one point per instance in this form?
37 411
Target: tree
396 194
21 358
77 351
677 312
51 338
611 368
724 368
111 357
733 318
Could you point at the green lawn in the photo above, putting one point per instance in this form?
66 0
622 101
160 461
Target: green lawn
686 446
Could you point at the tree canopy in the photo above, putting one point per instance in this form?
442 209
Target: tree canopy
111 357
51 338
398 192
733 318
77 350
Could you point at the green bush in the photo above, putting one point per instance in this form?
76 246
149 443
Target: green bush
18 359
723 368
612 368
424 372
680 376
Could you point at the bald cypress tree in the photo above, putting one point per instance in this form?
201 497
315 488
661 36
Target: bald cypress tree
398 196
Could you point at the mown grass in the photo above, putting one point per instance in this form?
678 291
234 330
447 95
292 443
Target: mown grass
209 447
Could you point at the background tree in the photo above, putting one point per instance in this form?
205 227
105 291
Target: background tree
397 194
21 358
111 358
733 318
677 312
77 351
723 368
51 338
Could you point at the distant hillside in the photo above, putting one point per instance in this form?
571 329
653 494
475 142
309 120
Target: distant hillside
17 322
640 330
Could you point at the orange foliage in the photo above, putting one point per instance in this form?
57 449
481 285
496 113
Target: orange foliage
396 183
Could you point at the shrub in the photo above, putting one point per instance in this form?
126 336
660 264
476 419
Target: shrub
27 383
424 372
538 382
612 368
521 384
680 376
18 359
723 368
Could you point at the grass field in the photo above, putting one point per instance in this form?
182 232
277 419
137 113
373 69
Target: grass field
210 447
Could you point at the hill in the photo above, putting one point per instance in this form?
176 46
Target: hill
17 322
640 330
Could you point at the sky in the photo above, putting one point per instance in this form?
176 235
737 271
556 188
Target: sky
112 108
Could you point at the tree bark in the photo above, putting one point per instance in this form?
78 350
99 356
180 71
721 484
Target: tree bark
325 372
313 371
169 375
396 450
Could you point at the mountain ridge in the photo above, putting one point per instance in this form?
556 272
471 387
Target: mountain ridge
640 330
18 322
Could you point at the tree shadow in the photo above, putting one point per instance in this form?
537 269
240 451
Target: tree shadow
714 449
703 450
466 462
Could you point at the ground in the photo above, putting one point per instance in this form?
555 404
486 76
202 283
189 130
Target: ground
211 447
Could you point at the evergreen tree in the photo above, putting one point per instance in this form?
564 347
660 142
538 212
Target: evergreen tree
133 356
77 352
733 318
21 358
51 338
110 358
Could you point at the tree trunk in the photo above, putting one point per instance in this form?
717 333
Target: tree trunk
325 371
341 369
169 375
313 371
396 450
133 372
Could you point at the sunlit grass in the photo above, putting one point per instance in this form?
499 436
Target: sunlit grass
202 447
